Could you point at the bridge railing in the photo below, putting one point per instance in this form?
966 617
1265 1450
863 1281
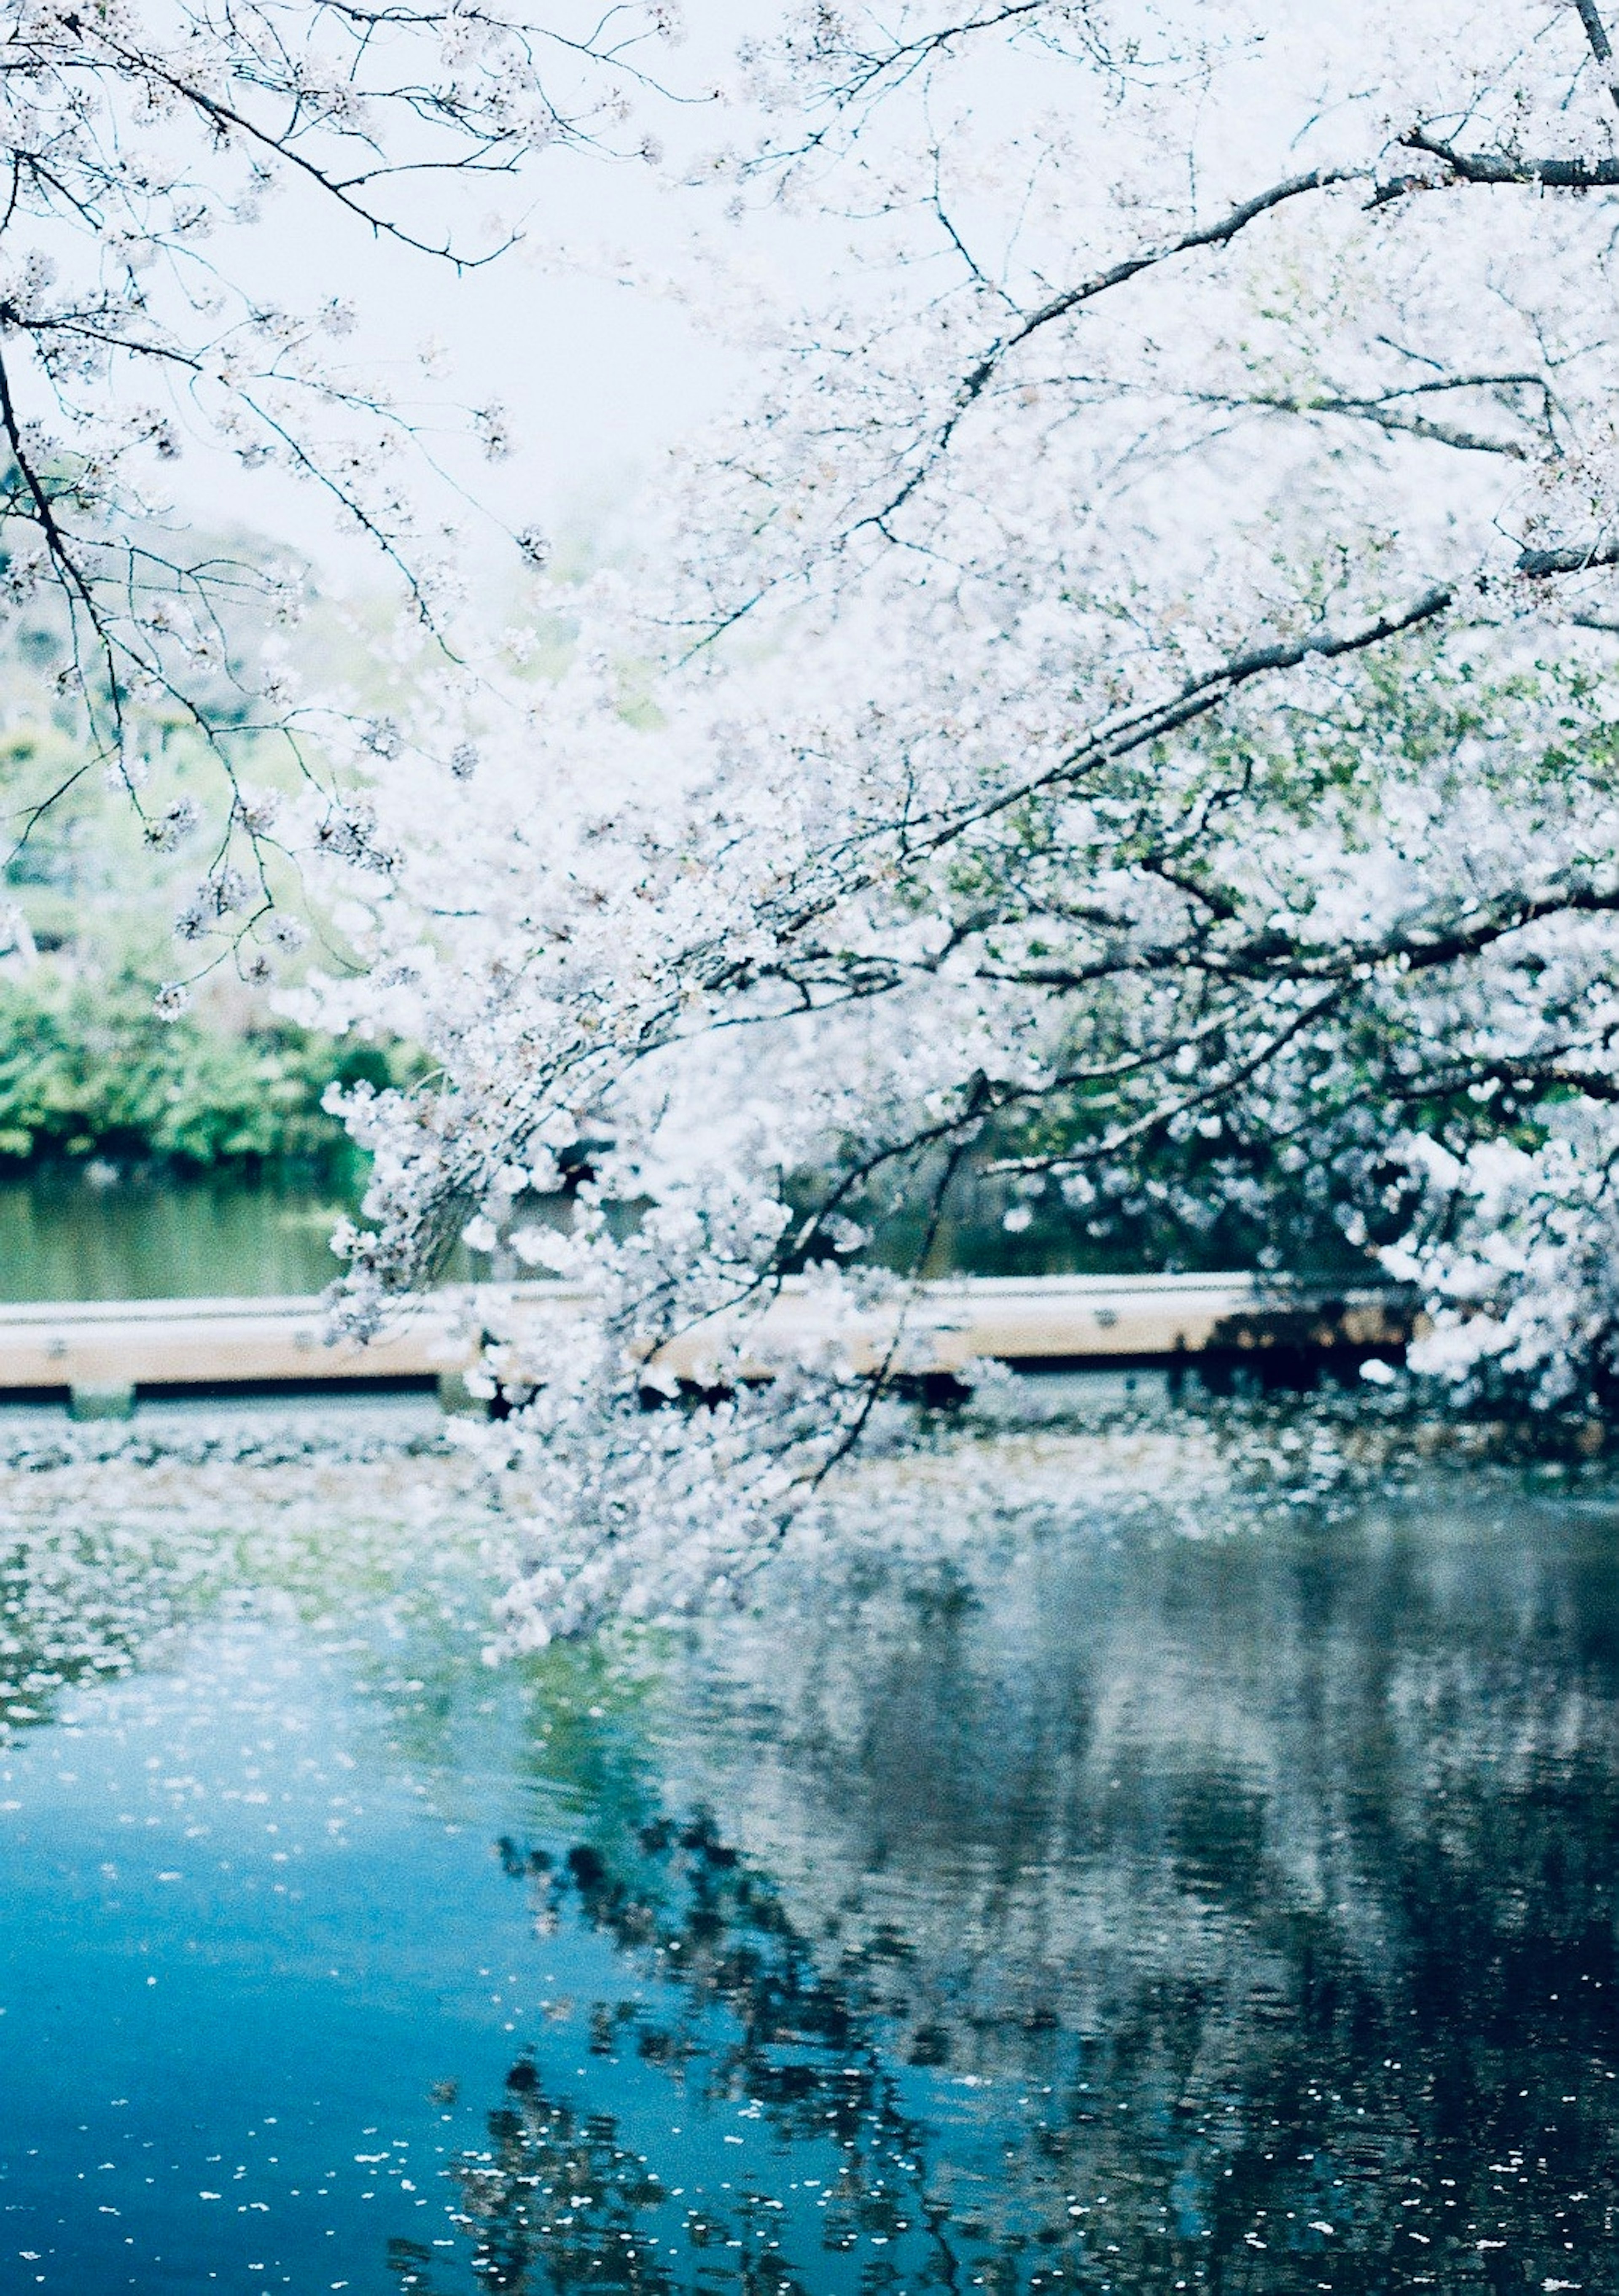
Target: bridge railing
101 1354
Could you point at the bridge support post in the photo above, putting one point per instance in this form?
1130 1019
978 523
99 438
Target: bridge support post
103 1400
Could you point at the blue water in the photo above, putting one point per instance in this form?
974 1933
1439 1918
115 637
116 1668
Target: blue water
1126 1911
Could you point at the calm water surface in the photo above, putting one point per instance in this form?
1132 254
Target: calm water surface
1130 1911
69 1238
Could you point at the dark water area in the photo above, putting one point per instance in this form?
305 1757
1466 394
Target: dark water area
1113 1909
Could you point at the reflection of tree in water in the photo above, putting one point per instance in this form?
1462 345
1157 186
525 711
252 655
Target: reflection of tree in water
1265 1890
747 2016
554 2204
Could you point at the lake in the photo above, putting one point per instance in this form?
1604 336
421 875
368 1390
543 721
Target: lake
67 1238
1118 1900
97 1234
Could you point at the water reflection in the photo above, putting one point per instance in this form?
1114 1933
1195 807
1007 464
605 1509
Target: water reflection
65 1237
1151 1914
558 2202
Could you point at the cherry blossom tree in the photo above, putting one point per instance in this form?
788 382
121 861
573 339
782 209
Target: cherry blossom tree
1123 704
1134 711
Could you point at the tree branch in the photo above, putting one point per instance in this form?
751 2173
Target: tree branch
1601 48
1505 169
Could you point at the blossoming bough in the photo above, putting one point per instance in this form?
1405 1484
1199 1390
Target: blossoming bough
1131 707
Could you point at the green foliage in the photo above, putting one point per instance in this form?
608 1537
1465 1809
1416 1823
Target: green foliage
87 1068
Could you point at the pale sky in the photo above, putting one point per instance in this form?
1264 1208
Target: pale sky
597 377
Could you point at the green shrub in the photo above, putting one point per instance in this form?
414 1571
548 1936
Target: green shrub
87 1069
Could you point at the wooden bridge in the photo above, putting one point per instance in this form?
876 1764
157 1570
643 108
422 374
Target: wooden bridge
99 1356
